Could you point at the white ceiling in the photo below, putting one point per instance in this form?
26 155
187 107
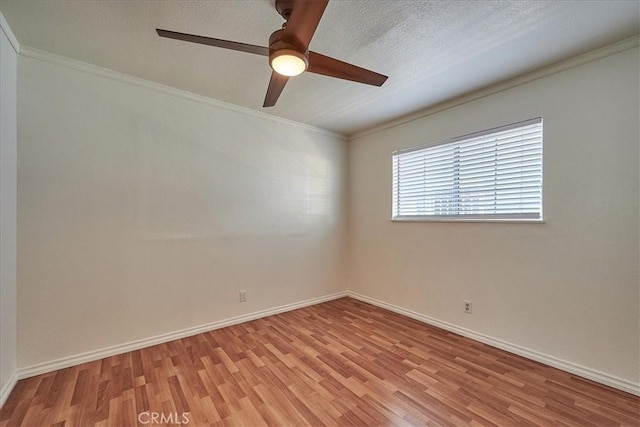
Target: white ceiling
432 51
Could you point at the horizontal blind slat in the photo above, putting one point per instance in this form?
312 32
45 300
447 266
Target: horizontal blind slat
530 182
530 157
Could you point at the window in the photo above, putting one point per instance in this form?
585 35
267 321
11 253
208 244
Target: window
489 175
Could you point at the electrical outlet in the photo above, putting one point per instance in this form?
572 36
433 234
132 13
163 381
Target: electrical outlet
467 307
243 296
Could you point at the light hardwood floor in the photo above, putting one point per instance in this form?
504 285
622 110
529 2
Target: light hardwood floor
343 363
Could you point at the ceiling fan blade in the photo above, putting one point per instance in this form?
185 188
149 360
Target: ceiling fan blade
225 44
304 20
276 84
320 64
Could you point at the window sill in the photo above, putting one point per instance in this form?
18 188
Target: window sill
484 220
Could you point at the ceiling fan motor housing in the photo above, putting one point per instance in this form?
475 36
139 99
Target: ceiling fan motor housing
278 46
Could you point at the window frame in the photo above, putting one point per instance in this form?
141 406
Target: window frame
492 218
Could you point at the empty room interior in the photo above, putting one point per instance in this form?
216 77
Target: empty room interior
314 212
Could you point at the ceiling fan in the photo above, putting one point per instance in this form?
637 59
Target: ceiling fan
288 49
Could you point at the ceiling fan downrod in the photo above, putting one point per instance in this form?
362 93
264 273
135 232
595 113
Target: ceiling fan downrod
284 8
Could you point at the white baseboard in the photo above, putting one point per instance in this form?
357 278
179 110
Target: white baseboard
91 356
8 387
573 368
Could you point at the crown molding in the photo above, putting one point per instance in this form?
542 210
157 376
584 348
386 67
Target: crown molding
4 25
558 67
41 55
603 52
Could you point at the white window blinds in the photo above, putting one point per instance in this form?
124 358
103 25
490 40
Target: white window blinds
494 174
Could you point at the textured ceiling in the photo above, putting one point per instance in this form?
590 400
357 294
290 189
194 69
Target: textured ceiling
432 51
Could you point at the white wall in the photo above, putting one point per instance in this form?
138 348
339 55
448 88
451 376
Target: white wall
567 288
8 138
144 211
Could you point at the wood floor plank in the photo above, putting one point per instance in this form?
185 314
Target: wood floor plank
343 362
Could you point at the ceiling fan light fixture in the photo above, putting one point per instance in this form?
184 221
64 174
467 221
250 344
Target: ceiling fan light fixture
288 62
